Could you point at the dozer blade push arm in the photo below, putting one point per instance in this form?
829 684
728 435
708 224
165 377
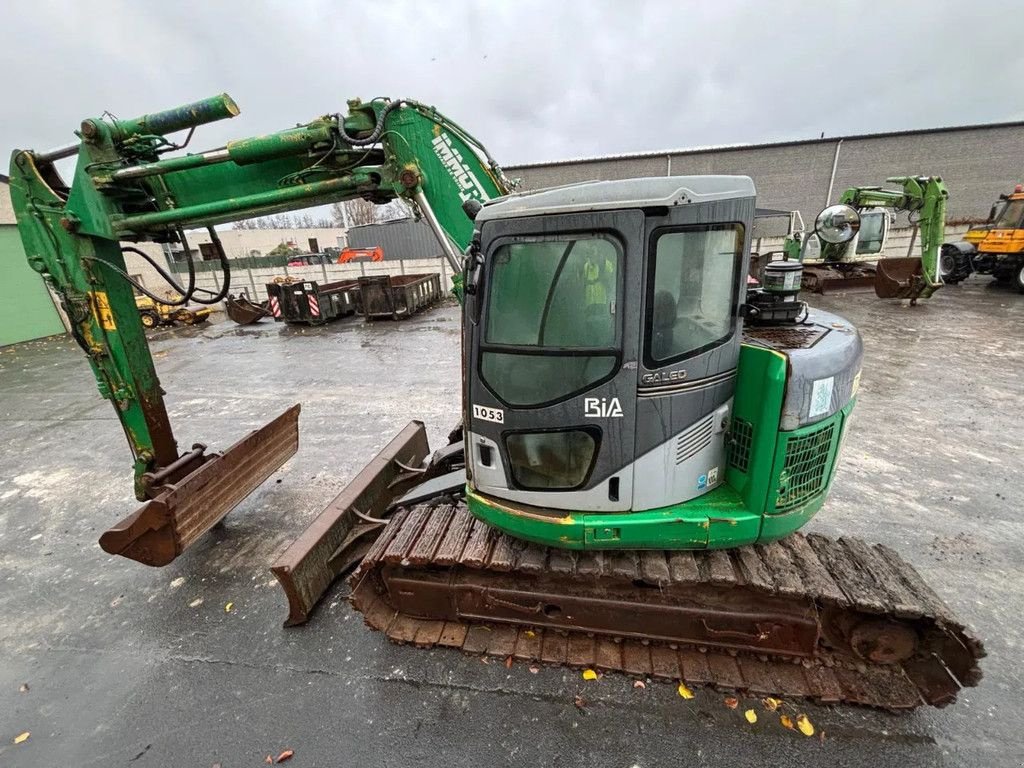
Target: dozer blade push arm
126 187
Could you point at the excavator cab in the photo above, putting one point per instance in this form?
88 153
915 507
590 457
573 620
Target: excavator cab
602 352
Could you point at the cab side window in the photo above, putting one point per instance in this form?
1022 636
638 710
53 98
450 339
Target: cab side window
692 291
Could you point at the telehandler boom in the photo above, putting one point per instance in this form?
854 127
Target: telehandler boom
641 435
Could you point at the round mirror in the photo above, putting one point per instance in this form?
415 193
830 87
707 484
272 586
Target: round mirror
837 224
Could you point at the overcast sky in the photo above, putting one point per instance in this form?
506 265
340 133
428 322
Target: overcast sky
533 80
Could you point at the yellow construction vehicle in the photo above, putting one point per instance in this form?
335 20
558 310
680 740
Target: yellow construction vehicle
153 313
994 248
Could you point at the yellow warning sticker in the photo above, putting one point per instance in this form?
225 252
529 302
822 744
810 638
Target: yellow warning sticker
101 305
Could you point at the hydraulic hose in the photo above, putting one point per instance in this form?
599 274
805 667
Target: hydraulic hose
378 129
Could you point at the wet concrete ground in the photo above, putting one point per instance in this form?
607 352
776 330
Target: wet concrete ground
134 666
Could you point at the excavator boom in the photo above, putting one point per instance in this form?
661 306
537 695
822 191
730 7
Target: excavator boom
129 185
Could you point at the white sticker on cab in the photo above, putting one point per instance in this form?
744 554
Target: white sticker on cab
821 397
489 414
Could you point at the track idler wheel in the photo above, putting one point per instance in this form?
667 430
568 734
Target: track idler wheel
883 642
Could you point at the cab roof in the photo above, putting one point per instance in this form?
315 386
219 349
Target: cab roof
624 193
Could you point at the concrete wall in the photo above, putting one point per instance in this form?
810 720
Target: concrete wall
252 282
6 209
896 246
977 164
238 243
242 242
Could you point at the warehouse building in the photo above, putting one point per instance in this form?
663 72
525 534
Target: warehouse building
27 310
977 162
400 239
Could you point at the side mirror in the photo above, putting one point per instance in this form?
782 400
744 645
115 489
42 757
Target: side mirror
837 224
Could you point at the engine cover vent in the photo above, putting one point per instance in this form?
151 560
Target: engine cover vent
695 439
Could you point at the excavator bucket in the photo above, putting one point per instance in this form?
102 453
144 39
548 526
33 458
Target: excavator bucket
899 278
183 510
337 539
245 312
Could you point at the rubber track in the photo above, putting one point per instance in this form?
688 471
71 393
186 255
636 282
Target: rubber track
845 573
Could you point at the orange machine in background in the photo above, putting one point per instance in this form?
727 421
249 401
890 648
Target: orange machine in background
361 254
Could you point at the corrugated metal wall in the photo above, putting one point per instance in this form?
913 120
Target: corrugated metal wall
977 164
26 310
402 239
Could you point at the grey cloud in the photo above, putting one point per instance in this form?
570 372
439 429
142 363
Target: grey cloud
533 80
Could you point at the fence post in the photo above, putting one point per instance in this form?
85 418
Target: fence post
252 280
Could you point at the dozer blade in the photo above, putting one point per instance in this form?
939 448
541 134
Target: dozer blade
899 278
834 620
182 511
338 538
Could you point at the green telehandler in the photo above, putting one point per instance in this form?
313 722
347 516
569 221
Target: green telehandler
641 435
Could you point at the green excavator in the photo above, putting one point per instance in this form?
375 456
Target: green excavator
859 262
641 437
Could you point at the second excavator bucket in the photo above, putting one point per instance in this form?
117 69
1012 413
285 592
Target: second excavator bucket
899 278
183 510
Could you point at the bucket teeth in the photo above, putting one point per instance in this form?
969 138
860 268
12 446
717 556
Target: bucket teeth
175 518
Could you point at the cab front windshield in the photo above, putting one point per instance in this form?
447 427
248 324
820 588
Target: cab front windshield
1011 215
551 324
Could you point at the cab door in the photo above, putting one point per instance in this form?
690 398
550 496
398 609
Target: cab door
552 349
696 267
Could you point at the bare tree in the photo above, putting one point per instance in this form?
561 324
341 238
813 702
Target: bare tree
286 221
356 213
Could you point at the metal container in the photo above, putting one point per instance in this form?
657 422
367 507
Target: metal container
309 302
398 296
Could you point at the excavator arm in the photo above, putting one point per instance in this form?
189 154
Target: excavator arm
129 186
924 198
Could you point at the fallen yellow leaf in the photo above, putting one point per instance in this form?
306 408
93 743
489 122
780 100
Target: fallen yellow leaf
771 704
589 674
751 716
530 633
685 692
228 607
805 726
787 722
21 737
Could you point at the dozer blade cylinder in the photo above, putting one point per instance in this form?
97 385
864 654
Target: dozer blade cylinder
340 535
899 278
175 518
